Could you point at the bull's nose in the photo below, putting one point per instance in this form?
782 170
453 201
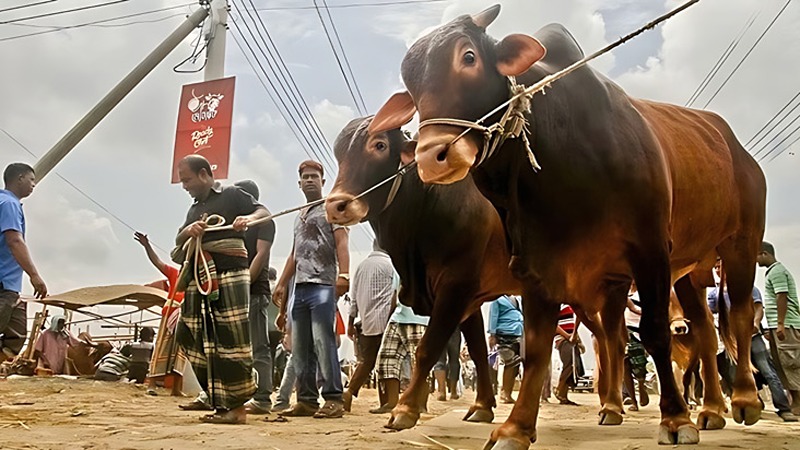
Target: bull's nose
442 163
343 209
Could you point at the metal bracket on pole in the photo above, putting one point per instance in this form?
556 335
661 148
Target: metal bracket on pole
93 117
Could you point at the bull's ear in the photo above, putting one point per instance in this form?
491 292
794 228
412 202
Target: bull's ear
396 112
407 154
516 53
485 18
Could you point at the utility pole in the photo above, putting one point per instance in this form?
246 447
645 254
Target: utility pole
215 32
47 162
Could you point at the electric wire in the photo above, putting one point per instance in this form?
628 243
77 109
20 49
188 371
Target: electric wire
79 190
289 88
63 11
363 109
338 59
721 61
96 22
744 58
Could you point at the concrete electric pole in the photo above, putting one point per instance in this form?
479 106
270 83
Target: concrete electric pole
47 162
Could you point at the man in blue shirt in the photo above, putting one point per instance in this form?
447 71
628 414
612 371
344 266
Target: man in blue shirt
505 331
15 258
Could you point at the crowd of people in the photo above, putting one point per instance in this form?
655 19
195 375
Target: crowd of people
249 333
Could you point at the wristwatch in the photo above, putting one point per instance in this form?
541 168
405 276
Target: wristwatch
346 276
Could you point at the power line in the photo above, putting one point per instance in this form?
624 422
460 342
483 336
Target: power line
776 123
14 8
353 5
288 117
338 60
721 61
267 90
288 86
64 11
785 148
765 155
275 102
96 22
775 19
346 60
79 190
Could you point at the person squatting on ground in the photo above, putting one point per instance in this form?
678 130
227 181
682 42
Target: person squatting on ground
374 297
505 331
15 258
132 360
319 262
51 348
258 241
214 327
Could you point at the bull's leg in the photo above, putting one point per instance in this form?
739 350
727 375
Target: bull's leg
738 263
598 330
541 316
612 318
705 340
472 329
652 275
447 313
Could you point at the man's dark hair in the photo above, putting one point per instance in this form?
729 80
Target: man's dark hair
146 334
197 163
272 274
248 186
15 170
767 247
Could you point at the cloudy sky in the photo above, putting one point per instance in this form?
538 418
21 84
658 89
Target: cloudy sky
51 79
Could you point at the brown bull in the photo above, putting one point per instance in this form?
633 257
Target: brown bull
628 189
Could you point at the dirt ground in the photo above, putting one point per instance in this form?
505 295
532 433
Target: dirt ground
57 413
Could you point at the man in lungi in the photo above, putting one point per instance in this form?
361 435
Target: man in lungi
214 329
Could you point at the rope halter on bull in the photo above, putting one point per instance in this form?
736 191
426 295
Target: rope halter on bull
513 123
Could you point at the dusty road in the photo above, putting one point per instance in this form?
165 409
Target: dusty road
54 413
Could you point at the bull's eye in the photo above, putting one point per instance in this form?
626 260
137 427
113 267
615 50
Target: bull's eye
469 57
380 146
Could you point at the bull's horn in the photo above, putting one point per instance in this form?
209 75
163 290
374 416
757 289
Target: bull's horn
485 18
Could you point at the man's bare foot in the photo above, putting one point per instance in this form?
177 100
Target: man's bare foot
228 417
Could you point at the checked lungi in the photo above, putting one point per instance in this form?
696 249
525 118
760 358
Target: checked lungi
399 340
215 336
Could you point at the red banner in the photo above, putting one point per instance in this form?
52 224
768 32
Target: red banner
204 125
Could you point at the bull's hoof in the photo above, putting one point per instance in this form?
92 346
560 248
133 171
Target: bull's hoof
685 434
608 417
709 420
747 414
507 443
480 415
401 421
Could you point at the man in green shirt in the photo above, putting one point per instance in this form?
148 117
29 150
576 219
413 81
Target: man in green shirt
782 311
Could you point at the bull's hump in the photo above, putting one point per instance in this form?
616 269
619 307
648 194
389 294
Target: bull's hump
562 48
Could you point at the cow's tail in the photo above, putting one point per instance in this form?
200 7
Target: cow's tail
725 331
